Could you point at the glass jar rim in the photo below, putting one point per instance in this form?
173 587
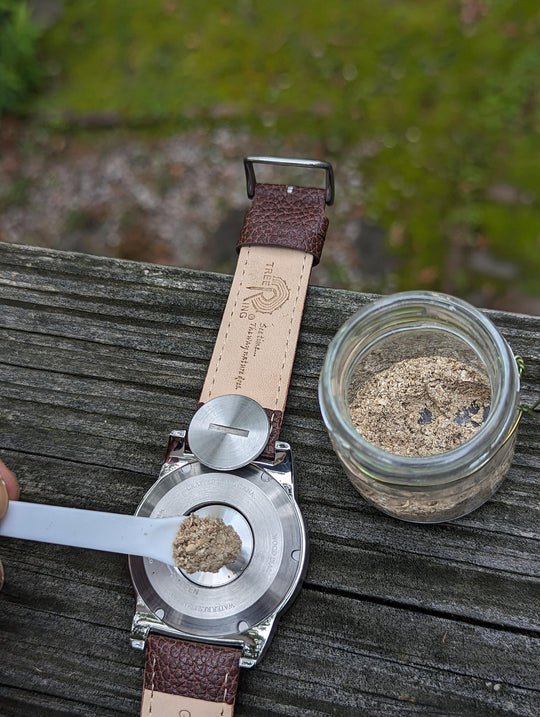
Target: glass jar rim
440 467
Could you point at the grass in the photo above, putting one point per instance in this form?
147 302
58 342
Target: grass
436 101
17 194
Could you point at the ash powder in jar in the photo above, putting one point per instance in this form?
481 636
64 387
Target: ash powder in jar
421 406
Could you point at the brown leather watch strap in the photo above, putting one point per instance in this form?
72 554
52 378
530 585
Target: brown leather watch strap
291 217
282 237
191 678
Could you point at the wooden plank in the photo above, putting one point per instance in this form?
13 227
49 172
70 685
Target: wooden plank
99 360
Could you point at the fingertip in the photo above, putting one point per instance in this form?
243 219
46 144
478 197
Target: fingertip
10 481
4 498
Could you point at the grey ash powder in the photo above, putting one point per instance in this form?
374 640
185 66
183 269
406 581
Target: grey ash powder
421 406
205 544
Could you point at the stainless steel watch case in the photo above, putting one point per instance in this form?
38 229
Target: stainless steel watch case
240 604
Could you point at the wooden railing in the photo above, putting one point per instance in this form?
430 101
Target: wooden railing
99 360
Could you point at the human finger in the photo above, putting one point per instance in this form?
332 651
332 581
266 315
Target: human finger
10 481
4 498
9 489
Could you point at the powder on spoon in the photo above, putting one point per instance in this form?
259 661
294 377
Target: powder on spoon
205 544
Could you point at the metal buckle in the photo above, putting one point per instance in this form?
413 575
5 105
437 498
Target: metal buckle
304 163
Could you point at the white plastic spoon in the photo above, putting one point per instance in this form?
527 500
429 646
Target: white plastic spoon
112 532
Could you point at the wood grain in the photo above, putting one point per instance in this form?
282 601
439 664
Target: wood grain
99 360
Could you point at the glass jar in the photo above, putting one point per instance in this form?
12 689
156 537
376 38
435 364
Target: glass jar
409 325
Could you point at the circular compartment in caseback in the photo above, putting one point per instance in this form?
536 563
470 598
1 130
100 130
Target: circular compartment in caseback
262 579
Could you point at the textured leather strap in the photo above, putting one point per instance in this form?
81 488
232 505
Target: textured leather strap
282 237
284 216
189 678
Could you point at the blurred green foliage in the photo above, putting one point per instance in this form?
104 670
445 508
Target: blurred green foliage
437 102
20 67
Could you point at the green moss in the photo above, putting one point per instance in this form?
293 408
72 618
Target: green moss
16 193
446 107
20 69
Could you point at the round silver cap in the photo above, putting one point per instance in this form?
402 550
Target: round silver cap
228 432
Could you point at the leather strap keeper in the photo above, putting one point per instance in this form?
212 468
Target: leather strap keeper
182 675
291 217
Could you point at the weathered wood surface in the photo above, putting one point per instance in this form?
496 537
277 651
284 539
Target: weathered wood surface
99 360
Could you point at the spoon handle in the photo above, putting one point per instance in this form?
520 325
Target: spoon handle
112 532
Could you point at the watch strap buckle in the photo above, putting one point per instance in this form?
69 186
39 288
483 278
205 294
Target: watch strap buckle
286 162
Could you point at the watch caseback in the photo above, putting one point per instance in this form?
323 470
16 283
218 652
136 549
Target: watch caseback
259 584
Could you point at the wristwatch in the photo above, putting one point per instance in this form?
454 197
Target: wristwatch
199 629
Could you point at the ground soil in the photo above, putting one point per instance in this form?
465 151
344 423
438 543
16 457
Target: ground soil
180 199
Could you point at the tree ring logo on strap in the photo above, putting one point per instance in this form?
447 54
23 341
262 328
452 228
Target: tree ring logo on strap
272 293
269 298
